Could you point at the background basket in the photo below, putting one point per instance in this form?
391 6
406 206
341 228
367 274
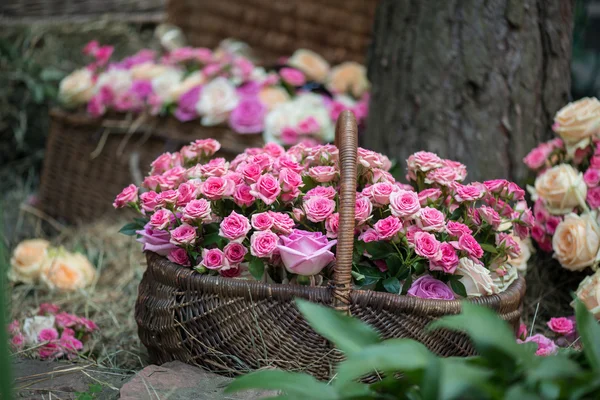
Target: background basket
233 326
89 161
340 30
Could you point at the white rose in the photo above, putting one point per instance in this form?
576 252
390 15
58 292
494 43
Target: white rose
476 278
589 293
576 241
503 281
577 122
281 116
163 84
27 259
33 326
312 105
67 271
561 188
77 87
217 100
520 262
147 71
118 80
193 80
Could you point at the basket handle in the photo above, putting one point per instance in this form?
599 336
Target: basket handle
346 139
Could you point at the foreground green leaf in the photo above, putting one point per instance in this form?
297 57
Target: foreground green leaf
589 330
257 268
293 383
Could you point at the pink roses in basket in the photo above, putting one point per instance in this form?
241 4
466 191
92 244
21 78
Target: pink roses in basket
276 214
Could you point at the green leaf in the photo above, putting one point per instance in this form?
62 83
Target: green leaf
589 331
379 250
51 74
555 367
309 183
457 377
371 274
257 268
394 264
392 355
519 391
408 282
458 287
211 238
129 229
293 383
349 334
392 285
489 248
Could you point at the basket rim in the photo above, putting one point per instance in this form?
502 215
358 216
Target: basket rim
171 274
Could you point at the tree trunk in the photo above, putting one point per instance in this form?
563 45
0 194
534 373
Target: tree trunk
477 81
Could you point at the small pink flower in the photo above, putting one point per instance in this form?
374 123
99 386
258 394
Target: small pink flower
289 180
426 245
292 76
495 185
468 193
235 252
273 149
162 163
47 335
167 198
18 341
552 224
318 208
282 222
262 221
266 188
298 214
48 309
332 225
263 243
381 192
561 325
428 196
592 177
448 260
215 167
546 346
522 334
71 344
248 116
323 174
308 126
215 188
427 287
183 235
196 211
593 197
509 244
50 351
470 245
65 320
363 209
538 156
431 219
179 256
324 191
490 216
148 200
234 227
306 253
424 161
14 327
404 203
207 147
129 195
457 229
242 195
369 235
388 227
289 136
186 192
161 218
213 259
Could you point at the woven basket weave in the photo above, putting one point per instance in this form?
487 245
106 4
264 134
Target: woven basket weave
233 326
340 30
89 161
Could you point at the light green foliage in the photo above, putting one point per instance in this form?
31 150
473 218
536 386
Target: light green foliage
503 370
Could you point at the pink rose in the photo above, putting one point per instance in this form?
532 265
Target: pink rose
468 193
308 126
469 244
213 259
546 346
282 222
161 218
266 188
540 212
235 252
289 180
167 198
323 174
552 224
18 341
262 221
381 192
426 245
369 235
179 256
427 287
186 193
410 232
510 245
448 260
234 227
431 219
148 200
163 163
362 209
495 185
242 195
215 167
298 214
490 216
332 225
264 160
231 271
263 243
522 333
47 335
127 196
292 76
318 208
593 197
273 149
444 176
206 147
286 161
45 309
428 196
325 191
306 253
515 192
248 116
538 156
457 229
423 161
215 188
561 325
388 227
183 235
196 211
404 203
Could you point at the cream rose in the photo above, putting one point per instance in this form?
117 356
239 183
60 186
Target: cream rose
476 278
506 278
349 77
193 80
273 96
578 121
561 188
312 64
77 87
67 271
163 84
147 71
33 326
576 241
520 262
27 259
217 100
118 80
589 293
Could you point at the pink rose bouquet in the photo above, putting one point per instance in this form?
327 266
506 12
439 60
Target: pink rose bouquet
275 214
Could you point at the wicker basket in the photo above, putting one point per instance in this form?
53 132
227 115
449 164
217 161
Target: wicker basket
89 161
233 326
340 30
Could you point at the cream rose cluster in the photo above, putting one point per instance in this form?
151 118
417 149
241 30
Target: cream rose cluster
561 188
578 122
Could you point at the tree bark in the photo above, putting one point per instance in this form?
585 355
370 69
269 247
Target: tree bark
477 81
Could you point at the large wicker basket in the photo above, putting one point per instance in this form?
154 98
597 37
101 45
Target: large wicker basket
233 326
340 30
89 161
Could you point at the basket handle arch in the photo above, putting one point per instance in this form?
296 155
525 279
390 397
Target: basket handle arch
346 140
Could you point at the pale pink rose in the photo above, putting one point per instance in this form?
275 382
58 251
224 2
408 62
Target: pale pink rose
161 218
428 196
362 209
380 175
162 163
290 197
306 253
235 177
251 173
427 287
186 192
426 245
380 192
469 244
323 174
215 167
285 161
593 197
369 235
468 193
369 158
263 243
215 188
592 177
148 201
242 195
14 327
522 333
561 325
50 351
431 219
298 214
318 208
183 235
292 76
495 185
196 211
490 216
235 252
308 126
18 341
179 256
457 229
404 203
444 176
264 160
410 231
274 149
213 259
47 335
129 195
167 198
324 191
266 188
388 227
282 222
537 157
332 225
509 244
448 260
290 180
514 192
248 116
540 212
424 161
206 147
546 347
234 227
262 221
